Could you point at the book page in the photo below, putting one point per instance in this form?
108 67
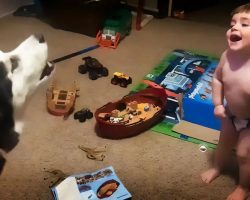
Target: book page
68 190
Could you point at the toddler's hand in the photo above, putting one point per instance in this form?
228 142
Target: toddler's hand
220 111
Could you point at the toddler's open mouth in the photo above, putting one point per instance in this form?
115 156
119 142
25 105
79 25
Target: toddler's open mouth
235 38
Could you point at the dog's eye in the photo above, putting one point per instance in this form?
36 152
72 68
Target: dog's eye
14 63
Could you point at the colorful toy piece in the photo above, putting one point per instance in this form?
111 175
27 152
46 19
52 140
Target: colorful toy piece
132 114
122 79
61 102
115 29
94 67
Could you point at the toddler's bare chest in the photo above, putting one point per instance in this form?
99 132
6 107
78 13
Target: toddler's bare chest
237 78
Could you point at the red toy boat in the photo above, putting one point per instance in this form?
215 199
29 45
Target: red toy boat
132 114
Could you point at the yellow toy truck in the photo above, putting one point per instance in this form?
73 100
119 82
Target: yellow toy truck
122 79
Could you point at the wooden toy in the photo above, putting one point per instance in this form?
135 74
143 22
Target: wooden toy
61 102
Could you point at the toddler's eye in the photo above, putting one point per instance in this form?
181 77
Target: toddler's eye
245 25
232 25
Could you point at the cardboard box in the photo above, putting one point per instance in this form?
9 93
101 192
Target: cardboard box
196 131
186 76
197 102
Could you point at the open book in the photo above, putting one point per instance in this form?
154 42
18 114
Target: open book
101 184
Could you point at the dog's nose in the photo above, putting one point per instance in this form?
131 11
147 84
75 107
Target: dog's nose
40 37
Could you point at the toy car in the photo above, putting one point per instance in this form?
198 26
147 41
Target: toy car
94 67
83 114
122 79
116 27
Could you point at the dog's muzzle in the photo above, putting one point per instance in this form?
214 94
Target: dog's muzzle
47 70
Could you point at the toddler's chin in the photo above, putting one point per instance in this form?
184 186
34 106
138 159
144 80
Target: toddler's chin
235 48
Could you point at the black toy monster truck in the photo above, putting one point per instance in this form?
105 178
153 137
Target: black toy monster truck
83 114
94 67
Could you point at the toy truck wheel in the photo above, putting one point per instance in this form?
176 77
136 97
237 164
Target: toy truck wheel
77 115
93 75
89 114
124 83
82 118
115 80
129 80
82 69
105 71
86 58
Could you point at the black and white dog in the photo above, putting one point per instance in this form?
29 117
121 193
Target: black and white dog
21 72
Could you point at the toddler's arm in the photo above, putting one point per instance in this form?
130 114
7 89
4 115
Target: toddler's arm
217 90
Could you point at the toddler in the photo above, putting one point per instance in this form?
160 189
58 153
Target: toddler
231 81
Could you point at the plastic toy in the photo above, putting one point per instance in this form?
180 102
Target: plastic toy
94 67
83 114
61 102
115 28
155 85
132 114
122 79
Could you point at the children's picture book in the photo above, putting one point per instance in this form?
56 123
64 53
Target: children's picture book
102 184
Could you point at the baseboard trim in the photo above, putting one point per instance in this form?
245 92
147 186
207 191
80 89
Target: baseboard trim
7 13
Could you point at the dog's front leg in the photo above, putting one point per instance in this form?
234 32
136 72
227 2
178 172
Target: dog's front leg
18 119
18 126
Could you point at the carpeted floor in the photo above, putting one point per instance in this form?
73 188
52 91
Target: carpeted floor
152 166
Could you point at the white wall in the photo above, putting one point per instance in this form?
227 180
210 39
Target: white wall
9 6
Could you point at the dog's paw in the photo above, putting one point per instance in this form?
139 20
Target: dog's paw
19 127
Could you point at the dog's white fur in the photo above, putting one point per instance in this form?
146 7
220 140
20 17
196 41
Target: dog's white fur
24 65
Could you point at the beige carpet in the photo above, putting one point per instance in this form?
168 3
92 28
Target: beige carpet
152 166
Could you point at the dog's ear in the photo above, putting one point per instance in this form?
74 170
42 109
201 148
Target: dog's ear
14 62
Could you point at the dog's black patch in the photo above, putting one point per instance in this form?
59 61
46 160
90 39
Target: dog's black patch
3 71
6 110
2 163
14 62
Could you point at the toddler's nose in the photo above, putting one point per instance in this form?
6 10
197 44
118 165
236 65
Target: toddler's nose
235 27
